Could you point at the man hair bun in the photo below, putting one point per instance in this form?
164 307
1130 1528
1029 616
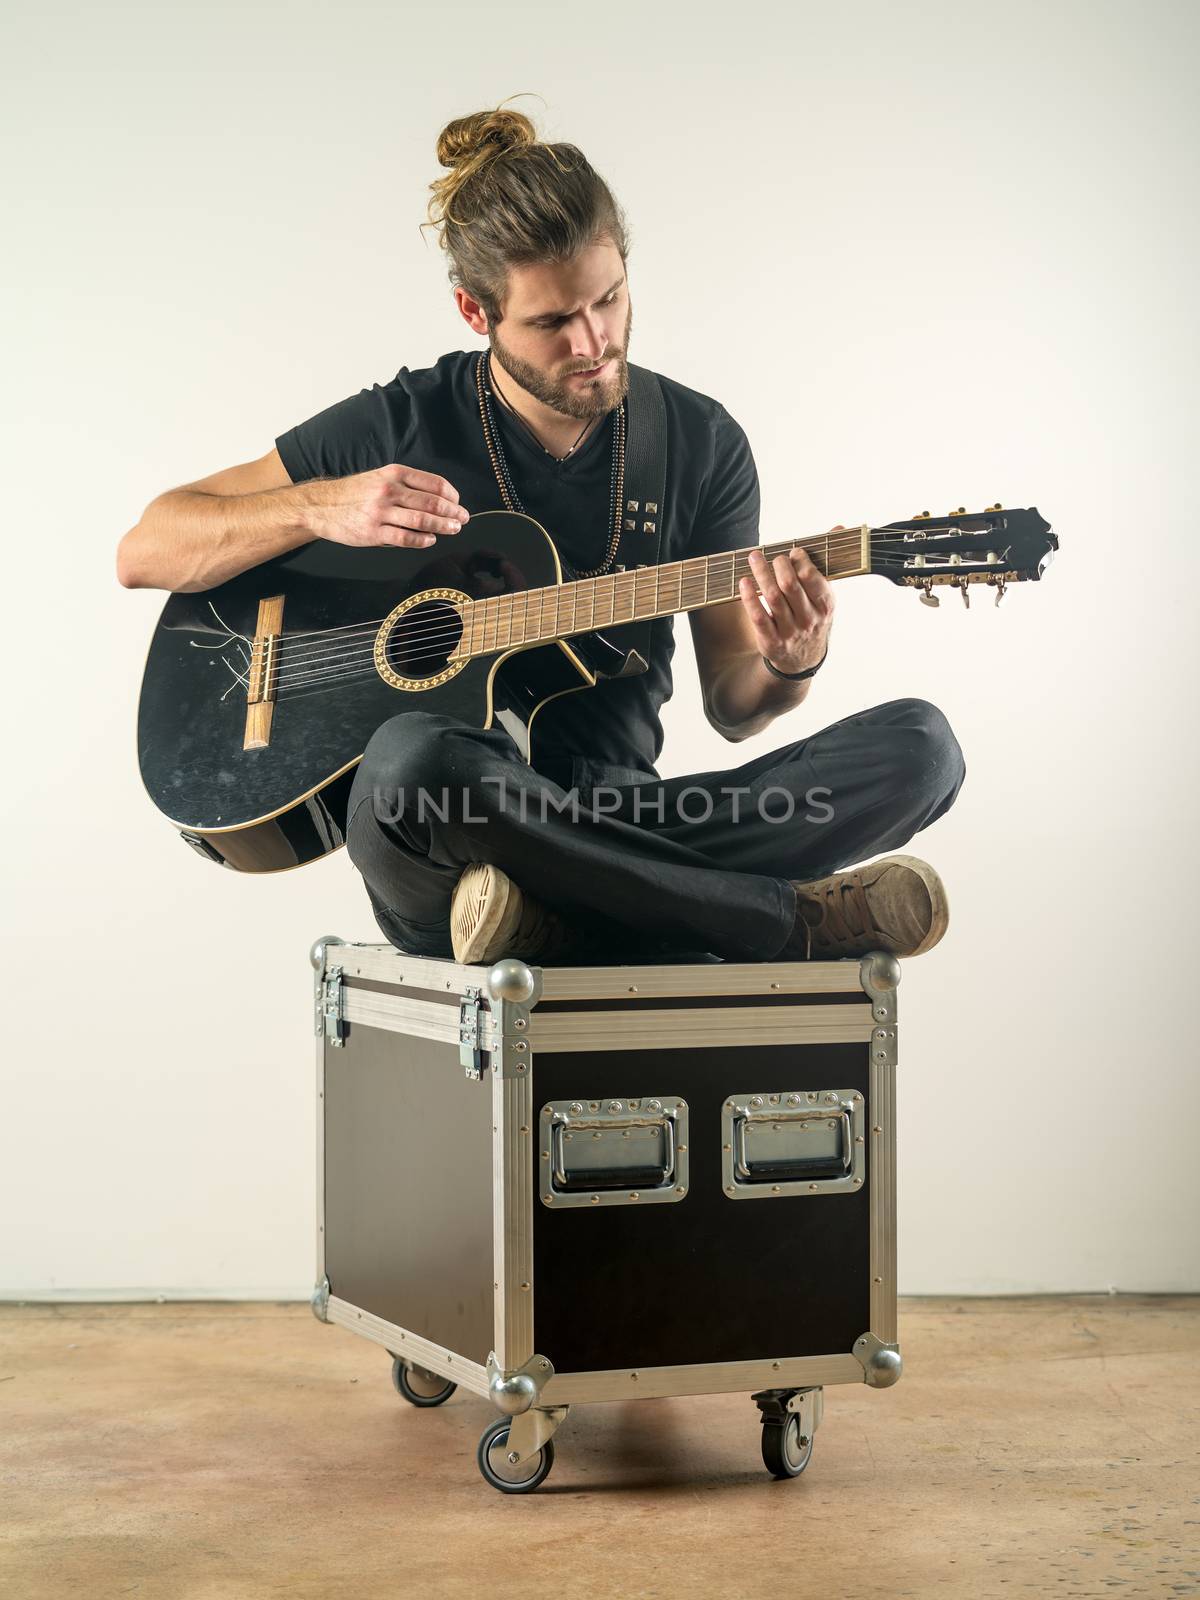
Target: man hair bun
468 146
467 141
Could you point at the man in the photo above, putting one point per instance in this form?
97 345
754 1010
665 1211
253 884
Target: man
465 847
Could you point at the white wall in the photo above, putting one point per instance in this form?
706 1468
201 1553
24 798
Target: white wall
929 255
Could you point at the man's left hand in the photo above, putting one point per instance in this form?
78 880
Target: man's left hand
795 634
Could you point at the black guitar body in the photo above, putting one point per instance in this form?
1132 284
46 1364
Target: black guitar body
260 696
282 802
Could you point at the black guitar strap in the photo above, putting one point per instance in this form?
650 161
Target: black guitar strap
645 471
642 512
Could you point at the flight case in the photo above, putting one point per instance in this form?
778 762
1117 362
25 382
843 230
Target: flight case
551 1186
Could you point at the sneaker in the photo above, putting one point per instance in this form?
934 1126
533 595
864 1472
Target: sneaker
491 917
897 903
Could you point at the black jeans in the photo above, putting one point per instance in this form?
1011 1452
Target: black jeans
642 866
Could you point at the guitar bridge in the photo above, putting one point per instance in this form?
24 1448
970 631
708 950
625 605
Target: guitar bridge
264 673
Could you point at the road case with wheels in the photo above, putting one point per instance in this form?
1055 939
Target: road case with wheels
551 1186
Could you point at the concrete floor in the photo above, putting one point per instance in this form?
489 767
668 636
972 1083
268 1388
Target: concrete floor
227 1452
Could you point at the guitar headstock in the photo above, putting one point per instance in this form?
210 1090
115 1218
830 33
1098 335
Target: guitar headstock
998 546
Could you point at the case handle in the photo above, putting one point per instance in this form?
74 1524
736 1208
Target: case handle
614 1152
802 1142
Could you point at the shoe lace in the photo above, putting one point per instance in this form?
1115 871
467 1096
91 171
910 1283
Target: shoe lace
845 912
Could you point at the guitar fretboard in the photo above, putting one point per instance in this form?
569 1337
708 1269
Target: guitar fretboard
531 616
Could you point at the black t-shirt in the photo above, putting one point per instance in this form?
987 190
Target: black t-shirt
430 419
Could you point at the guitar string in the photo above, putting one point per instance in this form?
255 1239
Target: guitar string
343 667
291 659
448 627
299 653
330 654
437 639
292 664
778 547
348 631
309 683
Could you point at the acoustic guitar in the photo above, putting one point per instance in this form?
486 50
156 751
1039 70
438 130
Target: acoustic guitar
259 696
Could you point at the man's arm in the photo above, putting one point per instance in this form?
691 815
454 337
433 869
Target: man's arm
198 536
741 697
202 533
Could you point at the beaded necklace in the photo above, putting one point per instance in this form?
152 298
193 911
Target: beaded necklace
520 421
508 492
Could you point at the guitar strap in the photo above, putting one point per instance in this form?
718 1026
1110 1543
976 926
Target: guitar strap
645 488
645 469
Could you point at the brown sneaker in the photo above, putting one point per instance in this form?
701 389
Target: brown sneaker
897 903
491 917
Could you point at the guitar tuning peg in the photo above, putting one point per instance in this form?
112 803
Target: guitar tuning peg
928 598
961 512
964 590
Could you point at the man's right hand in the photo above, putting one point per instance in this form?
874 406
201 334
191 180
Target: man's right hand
204 533
394 505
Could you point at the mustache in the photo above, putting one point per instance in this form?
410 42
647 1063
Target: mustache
611 355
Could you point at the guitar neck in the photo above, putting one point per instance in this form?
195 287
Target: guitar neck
540 616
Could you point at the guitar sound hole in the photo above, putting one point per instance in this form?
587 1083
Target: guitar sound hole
422 638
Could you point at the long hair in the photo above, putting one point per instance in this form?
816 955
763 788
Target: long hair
509 200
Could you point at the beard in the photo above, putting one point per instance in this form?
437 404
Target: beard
591 399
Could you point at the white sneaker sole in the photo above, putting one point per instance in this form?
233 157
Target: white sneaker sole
481 898
936 890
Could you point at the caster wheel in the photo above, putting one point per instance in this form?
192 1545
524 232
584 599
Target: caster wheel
503 1474
420 1388
783 1453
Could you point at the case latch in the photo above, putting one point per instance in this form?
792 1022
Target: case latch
470 1032
329 1008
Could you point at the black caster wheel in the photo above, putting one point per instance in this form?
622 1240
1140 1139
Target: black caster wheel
502 1474
785 1451
420 1388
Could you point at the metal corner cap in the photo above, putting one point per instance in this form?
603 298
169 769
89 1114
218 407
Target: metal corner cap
515 1392
511 979
880 971
317 954
881 1363
319 1301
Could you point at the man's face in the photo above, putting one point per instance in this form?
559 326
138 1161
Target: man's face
563 321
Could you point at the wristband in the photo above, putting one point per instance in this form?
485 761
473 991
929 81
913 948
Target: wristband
794 677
